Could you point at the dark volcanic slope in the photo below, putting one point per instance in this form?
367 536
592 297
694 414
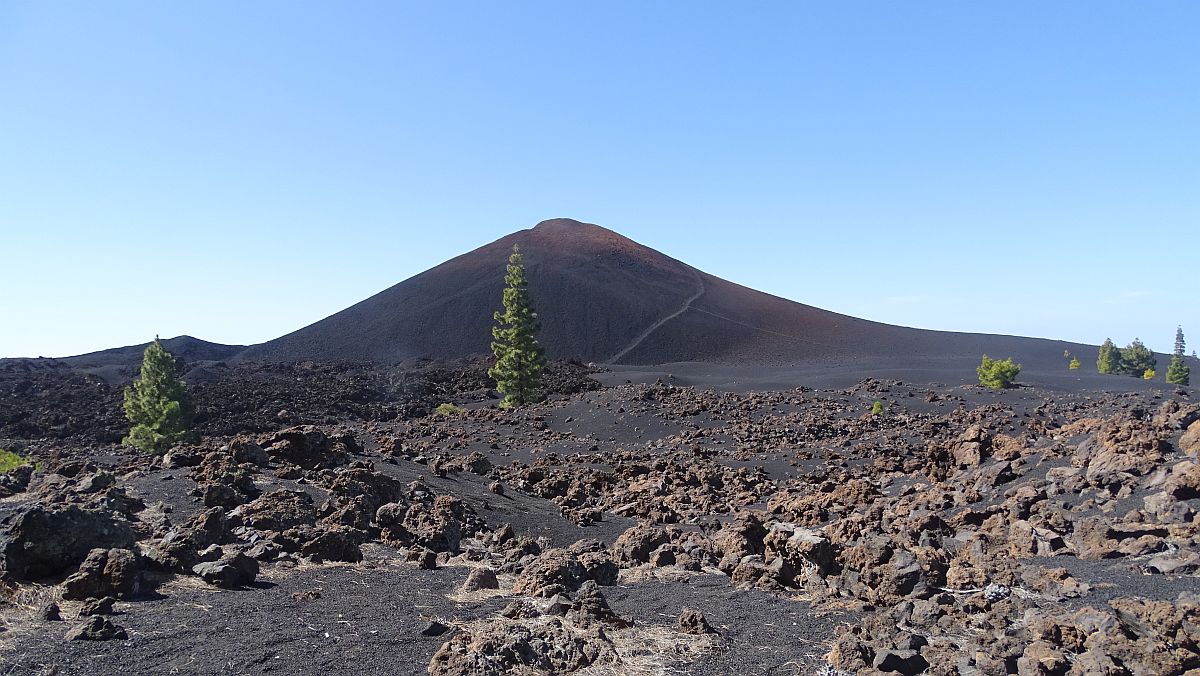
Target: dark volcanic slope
595 290
604 297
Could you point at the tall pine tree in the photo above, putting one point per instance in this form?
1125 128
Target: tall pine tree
519 357
157 404
1179 373
1109 359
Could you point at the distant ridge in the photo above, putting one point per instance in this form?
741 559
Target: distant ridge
182 347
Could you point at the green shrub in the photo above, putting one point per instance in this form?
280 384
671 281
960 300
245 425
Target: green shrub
10 461
877 408
449 409
1075 364
997 374
1148 374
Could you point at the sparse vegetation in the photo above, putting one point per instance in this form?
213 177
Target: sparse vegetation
157 403
10 461
877 408
1109 358
1179 373
1148 374
997 374
1136 359
519 357
448 409
1074 364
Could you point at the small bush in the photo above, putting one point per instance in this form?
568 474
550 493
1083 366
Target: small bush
877 408
1148 374
448 409
1075 364
997 374
10 461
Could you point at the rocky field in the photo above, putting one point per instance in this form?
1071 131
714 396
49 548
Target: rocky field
328 522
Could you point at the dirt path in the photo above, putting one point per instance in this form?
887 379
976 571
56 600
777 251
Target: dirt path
655 326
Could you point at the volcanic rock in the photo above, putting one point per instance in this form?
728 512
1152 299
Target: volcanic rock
480 578
37 541
97 606
97 628
558 570
692 621
111 572
230 571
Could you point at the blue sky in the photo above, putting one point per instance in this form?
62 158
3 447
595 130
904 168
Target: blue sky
236 170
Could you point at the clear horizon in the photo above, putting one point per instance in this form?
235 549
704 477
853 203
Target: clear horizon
235 172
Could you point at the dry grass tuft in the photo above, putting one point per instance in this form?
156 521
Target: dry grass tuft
32 596
506 585
652 651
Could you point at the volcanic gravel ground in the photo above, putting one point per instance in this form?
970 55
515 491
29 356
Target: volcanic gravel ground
368 618
951 531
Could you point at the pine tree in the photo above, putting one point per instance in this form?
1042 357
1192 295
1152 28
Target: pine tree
157 404
1136 359
1109 359
1179 373
519 357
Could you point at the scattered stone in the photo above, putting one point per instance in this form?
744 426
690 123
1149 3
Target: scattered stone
426 559
480 578
116 572
102 606
230 571
434 628
692 621
97 628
